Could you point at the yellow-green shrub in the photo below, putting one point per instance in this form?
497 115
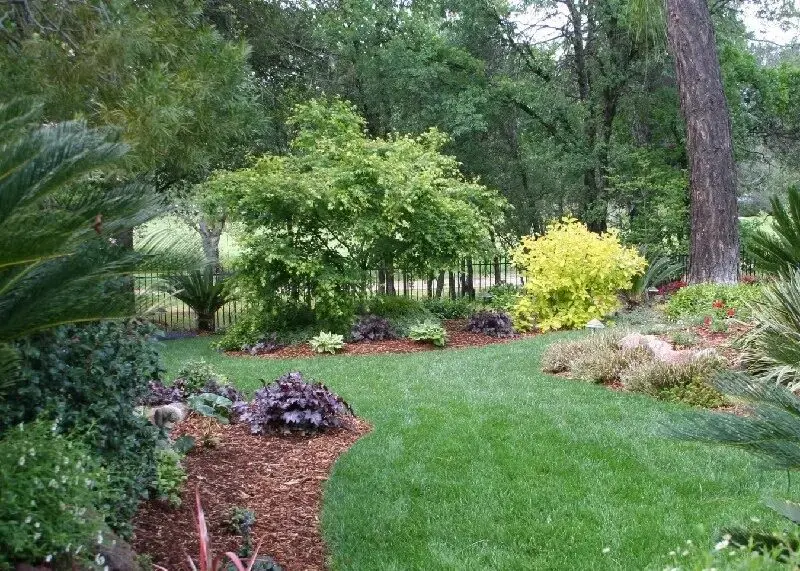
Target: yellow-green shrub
572 275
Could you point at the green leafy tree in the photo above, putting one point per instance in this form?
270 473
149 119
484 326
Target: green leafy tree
342 203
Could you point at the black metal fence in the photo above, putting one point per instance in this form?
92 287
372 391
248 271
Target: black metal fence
469 279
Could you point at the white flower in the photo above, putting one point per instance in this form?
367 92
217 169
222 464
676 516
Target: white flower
688 542
99 537
21 461
606 550
48 559
99 559
672 554
684 553
31 452
28 519
36 525
79 549
721 545
36 536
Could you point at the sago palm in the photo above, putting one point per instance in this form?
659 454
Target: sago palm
777 250
59 216
201 290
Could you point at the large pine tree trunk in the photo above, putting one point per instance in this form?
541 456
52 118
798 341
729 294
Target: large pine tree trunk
715 235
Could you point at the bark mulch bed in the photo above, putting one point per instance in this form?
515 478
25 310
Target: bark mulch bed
279 477
457 338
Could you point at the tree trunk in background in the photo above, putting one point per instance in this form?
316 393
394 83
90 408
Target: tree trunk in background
498 275
715 235
451 282
209 237
440 285
429 285
469 283
390 289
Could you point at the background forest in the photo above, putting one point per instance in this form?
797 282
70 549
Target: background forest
565 107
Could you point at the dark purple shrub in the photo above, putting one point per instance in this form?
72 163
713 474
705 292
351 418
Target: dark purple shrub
372 328
492 323
267 344
160 394
292 403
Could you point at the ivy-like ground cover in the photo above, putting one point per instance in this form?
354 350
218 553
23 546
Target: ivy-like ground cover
479 461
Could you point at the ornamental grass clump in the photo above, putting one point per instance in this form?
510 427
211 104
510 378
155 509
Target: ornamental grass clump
572 276
292 403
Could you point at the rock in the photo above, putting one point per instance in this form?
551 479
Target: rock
633 340
662 350
119 556
168 415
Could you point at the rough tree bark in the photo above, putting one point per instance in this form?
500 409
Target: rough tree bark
714 253
209 237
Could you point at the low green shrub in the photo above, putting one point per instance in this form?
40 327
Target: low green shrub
91 377
696 393
284 322
170 476
53 491
429 331
326 342
212 406
194 376
683 338
698 299
402 312
446 308
501 297
687 382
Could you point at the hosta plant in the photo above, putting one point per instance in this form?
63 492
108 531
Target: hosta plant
327 342
212 406
372 328
429 331
572 276
292 403
492 323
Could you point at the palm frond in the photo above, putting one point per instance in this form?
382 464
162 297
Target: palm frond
778 250
772 347
771 430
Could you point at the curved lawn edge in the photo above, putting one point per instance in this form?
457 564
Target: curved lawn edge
478 459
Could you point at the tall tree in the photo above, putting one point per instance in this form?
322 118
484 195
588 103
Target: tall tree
714 255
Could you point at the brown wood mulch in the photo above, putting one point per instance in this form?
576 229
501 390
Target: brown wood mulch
279 477
457 338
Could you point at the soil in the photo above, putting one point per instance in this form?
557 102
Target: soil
279 477
457 338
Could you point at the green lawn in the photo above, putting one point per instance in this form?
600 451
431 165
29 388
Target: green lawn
480 461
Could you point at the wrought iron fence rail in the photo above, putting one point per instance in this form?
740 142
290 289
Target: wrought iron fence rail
469 279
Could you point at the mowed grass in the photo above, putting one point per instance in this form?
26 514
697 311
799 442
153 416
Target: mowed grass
479 461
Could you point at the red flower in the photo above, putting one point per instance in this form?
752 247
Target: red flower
731 312
718 304
707 320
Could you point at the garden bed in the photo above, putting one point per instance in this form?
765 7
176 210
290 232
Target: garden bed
279 477
457 338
